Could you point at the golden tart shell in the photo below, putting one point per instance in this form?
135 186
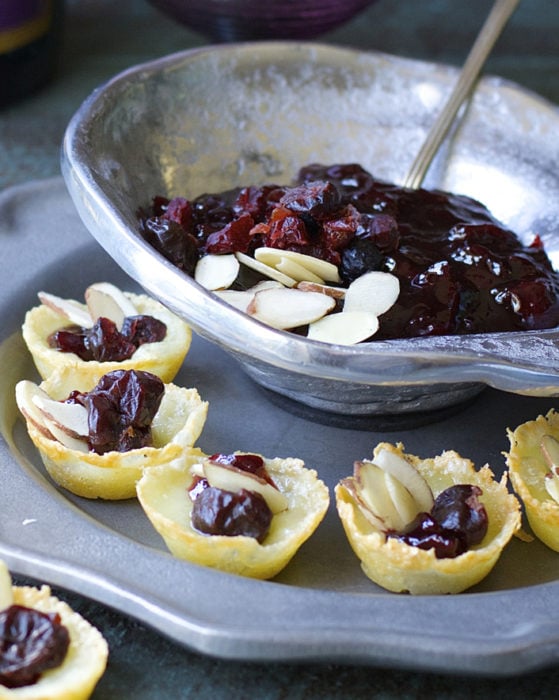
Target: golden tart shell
177 425
402 568
163 358
162 492
528 468
84 664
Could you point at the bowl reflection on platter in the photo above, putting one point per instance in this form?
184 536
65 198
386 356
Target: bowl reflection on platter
241 20
224 116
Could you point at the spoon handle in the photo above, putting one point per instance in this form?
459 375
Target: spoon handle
488 35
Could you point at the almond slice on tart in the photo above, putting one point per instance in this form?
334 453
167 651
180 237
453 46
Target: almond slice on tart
85 660
176 426
401 567
531 460
163 358
298 508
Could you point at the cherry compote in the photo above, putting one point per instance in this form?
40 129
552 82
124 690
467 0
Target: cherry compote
121 409
457 521
31 642
460 270
216 511
103 342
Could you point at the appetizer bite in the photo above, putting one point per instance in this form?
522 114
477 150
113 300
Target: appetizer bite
47 651
96 440
533 462
425 526
240 513
112 330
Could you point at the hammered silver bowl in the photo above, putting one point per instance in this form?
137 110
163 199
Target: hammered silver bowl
210 119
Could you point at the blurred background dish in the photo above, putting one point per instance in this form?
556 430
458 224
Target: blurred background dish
241 20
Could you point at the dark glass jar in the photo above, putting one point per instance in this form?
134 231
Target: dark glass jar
30 37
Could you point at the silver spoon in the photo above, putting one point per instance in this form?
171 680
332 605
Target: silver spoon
488 35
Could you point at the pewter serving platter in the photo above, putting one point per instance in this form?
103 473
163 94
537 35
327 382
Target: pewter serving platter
218 117
321 607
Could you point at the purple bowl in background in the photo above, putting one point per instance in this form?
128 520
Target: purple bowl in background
244 20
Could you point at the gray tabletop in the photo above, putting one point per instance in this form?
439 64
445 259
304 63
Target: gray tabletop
102 38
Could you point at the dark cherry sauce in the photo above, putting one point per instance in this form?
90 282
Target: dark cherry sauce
457 521
103 342
216 511
30 642
460 270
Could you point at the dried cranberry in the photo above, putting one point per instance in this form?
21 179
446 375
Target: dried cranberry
381 229
31 642
233 237
361 256
253 464
219 512
257 201
316 199
121 409
179 210
70 339
170 239
103 342
287 232
143 329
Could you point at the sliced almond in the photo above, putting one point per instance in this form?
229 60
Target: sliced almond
373 490
25 391
216 271
70 309
321 268
550 450
298 272
552 486
55 420
237 298
345 328
105 300
65 438
335 292
6 593
241 298
72 418
351 487
265 284
266 270
232 479
374 291
408 475
289 308
403 501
